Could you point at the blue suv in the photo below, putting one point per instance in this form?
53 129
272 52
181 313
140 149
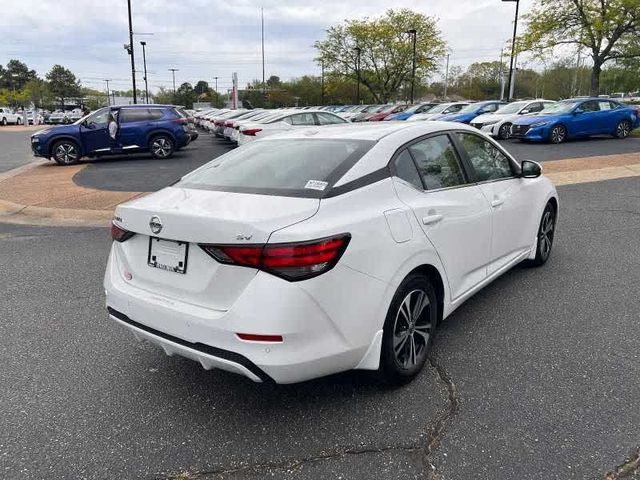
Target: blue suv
157 129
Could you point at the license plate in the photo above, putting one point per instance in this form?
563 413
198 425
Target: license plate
168 255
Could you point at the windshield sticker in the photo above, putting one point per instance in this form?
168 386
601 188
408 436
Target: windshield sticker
316 185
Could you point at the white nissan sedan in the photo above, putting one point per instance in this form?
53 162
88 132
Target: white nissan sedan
326 249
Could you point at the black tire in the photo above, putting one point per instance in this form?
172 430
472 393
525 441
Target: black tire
623 129
558 134
504 132
161 146
66 152
4 122
18 121
408 330
546 234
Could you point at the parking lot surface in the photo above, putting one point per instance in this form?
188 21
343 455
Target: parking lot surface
534 377
15 148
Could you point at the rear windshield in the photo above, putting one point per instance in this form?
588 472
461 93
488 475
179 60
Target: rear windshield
297 167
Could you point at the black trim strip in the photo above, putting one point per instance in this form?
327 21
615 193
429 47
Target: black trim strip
359 182
200 347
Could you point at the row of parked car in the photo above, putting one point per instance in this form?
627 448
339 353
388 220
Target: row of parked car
9 116
537 119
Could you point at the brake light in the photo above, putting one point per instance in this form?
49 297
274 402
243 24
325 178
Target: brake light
120 234
251 131
291 261
181 120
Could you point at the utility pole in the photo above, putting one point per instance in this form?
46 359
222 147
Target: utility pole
133 62
322 82
446 78
513 49
512 84
108 99
358 51
414 34
262 22
144 61
216 79
173 72
502 84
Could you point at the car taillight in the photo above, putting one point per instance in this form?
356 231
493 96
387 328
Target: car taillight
251 131
181 120
291 261
120 234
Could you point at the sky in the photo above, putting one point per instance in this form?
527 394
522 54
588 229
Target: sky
208 38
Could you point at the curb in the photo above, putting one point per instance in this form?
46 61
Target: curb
21 169
16 213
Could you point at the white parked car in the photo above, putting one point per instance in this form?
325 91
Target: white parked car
229 125
291 120
9 117
59 117
326 249
498 124
438 111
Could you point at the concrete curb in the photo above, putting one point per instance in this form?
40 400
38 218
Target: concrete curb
22 169
15 213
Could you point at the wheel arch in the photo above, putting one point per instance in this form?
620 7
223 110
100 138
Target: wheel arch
160 131
51 143
437 281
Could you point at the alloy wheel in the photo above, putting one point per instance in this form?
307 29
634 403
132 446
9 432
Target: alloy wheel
505 131
161 147
623 130
558 134
66 153
545 237
412 329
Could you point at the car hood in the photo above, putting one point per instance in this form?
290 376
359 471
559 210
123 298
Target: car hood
458 117
492 117
531 119
58 129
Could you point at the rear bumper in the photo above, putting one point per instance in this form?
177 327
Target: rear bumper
318 337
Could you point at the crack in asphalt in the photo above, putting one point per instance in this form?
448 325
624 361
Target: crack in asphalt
434 435
631 466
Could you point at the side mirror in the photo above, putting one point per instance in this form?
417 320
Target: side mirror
524 112
578 111
530 169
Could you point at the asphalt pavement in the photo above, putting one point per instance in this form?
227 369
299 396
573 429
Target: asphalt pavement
534 377
15 148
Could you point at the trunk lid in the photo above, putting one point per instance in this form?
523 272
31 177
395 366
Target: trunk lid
201 216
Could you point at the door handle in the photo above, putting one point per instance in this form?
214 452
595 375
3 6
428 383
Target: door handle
432 219
496 202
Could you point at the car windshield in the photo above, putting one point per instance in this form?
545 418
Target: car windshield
290 167
514 107
440 108
560 107
372 108
471 108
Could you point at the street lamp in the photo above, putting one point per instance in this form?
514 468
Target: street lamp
413 33
144 61
513 48
358 51
129 49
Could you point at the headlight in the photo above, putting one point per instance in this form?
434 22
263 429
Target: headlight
35 139
490 122
539 124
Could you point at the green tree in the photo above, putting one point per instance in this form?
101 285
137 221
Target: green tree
185 95
607 29
63 84
201 88
386 51
16 75
39 93
163 96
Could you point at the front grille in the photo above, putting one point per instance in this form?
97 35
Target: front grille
519 129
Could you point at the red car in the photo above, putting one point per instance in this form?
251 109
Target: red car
379 116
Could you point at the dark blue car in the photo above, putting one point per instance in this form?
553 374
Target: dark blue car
472 110
575 118
157 129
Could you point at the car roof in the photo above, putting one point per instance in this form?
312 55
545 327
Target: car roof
372 132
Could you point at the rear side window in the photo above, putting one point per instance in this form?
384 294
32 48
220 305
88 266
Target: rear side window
406 169
302 119
289 167
328 119
129 115
437 163
155 114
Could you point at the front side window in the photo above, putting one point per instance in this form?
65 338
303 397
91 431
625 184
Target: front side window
488 162
590 106
99 118
290 167
437 162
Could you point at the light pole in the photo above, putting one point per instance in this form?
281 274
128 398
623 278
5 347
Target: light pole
414 34
322 82
130 50
173 72
446 78
144 61
108 99
358 51
513 48
216 79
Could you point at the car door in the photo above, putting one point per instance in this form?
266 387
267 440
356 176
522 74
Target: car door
94 132
132 122
453 213
607 117
585 118
509 197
